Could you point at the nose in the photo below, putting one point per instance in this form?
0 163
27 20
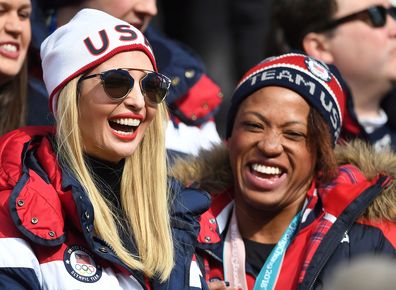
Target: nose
271 144
135 98
147 7
13 23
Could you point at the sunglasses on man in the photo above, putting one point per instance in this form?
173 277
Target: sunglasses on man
375 16
117 84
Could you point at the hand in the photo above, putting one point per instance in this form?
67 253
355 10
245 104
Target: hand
220 285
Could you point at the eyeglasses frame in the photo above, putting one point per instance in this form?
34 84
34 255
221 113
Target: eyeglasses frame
146 71
371 12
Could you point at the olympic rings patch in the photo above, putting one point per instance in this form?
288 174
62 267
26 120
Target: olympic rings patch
80 264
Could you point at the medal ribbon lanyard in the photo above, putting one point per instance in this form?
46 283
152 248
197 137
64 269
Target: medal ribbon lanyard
234 257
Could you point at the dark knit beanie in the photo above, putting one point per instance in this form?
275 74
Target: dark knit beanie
318 83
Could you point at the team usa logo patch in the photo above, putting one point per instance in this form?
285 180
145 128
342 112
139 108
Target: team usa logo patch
318 69
80 265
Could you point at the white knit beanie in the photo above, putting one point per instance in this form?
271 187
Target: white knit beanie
86 41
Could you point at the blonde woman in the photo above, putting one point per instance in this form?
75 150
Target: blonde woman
85 205
15 38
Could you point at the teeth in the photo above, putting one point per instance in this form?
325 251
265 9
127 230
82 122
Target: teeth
124 133
127 122
266 169
9 47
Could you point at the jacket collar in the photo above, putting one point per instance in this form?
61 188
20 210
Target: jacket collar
212 171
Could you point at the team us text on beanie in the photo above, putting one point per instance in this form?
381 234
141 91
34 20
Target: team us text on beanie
88 39
313 80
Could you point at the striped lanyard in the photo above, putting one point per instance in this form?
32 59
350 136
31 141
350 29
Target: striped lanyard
269 273
234 257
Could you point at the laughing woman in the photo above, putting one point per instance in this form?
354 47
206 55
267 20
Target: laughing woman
86 205
15 37
288 208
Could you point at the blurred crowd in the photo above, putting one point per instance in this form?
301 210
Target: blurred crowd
205 144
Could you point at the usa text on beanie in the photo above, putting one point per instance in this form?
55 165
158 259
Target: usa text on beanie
90 38
313 80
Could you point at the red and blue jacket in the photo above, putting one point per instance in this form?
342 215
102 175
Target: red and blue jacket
352 216
47 239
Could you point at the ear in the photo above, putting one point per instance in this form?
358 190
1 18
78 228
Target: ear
318 46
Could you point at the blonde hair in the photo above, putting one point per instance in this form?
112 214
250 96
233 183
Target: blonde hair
13 102
143 193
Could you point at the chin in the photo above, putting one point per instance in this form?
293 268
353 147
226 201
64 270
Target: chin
125 153
262 201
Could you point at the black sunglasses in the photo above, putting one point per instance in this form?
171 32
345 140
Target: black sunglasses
374 16
117 83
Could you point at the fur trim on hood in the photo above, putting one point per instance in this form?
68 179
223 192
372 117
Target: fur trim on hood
211 171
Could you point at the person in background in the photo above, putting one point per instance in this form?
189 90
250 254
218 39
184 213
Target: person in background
364 273
87 204
230 39
287 206
359 37
194 98
15 35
